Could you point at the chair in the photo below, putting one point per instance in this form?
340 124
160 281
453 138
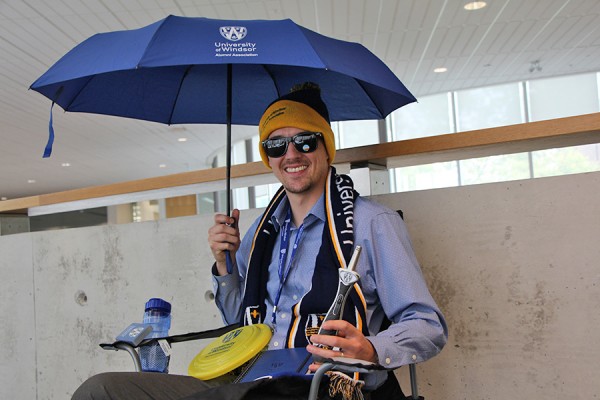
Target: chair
345 365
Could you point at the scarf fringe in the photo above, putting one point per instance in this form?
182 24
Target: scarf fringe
348 388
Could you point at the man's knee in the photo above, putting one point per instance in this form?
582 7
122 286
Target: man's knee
137 385
97 386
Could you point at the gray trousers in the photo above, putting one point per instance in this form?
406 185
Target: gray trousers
157 386
138 385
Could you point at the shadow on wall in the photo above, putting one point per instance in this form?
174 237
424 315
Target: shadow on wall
72 219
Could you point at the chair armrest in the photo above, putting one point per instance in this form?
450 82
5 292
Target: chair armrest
350 365
128 348
342 364
208 334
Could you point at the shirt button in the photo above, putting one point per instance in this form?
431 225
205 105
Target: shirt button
388 361
283 315
276 344
223 284
295 297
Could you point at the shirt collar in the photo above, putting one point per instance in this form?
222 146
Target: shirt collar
317 212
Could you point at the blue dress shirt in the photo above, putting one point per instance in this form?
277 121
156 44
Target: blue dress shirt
390 278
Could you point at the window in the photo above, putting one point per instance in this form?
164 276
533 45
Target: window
570 160
563 97
357 133
465 110
430 176
430 116
505 167
489 107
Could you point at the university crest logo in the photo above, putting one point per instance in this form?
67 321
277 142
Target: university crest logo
233 33
252 315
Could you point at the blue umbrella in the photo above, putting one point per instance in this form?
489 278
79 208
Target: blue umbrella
198 70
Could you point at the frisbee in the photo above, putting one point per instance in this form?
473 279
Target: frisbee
230 351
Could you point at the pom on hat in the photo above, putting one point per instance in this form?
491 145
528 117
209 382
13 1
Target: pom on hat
302 108
308 93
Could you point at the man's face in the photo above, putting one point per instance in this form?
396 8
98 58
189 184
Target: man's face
300 173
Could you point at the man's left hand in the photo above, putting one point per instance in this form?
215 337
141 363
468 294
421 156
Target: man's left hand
349 340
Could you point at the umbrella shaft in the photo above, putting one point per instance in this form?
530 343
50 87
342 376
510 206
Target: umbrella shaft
228 157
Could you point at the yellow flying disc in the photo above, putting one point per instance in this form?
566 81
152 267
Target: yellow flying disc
230 351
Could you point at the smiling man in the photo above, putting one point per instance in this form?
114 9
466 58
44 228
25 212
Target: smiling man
285 274
285 269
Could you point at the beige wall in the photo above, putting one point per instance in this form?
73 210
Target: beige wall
514 266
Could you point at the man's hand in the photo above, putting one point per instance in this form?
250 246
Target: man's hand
224 236
349 340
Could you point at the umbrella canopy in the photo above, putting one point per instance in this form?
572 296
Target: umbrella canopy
199 70
174 71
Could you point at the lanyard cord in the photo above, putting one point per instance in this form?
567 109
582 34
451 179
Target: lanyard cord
284 269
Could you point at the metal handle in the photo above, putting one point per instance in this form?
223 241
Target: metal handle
347 278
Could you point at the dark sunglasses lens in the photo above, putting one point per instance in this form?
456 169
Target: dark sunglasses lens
305 143
275 147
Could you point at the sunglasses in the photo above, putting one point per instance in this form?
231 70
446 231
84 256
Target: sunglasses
304 142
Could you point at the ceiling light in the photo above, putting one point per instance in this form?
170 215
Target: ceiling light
440 70
162 165
66 164
475 5
182 139
30 180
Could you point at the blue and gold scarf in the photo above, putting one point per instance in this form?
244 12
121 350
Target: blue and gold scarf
336 249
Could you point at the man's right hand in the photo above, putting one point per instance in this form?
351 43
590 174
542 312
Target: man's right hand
224 236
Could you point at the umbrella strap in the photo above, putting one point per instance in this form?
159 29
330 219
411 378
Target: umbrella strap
48 149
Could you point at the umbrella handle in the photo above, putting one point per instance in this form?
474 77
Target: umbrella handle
228 262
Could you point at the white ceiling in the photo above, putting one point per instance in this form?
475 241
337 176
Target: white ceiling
493 45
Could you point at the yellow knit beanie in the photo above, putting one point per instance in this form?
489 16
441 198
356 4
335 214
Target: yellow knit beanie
302 108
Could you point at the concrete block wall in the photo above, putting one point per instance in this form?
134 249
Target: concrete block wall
513 265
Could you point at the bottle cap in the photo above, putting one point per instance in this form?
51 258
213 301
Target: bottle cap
158 304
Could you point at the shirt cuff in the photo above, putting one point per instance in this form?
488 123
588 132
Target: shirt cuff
225 283
390 356
214 269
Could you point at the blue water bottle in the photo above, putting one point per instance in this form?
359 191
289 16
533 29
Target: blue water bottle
158 314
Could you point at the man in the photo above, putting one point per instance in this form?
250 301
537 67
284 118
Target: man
314 222
285 269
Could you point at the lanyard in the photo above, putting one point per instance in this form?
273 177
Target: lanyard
284 269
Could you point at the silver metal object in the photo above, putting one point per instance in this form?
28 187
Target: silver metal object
347 278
